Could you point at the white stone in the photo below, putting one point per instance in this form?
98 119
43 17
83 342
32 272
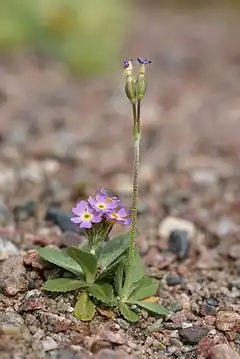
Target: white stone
170 224
49 344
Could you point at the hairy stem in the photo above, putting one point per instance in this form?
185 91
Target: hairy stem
131 251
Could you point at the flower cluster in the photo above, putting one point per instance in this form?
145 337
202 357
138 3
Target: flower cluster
101 208
140 60
135 89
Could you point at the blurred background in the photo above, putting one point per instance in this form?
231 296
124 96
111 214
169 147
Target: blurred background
66 131
62 89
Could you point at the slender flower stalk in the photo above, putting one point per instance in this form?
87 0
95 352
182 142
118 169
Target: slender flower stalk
131 251
136 110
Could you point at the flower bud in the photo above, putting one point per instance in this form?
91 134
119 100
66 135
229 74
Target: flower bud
141 87
141 84
130 90
130 87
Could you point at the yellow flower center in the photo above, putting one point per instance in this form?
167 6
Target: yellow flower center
101 206
115 216
87 216
109 199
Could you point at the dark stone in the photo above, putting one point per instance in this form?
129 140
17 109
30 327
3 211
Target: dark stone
192 335
4 212
69 239
213 302
172 280
31 284
178 243
206 309
62 219
174 307
25 211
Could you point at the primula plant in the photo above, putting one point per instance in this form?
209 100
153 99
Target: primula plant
108 273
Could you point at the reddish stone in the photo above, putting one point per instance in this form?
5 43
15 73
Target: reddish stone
203 349
209 320
62 326
30 305
33 259
178 318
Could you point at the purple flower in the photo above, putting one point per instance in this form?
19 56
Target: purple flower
143 61
126 63
103 203
119 216
108 198
85 215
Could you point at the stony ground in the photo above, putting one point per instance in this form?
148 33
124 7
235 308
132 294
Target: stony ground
61 139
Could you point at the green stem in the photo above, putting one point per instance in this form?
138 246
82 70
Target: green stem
138 117
131 251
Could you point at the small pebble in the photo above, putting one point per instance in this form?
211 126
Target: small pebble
49 344
173 280
178 243
155 326
211 301
223 351
123 323
7 249
192 335
206 309
227 321
10 329
187 349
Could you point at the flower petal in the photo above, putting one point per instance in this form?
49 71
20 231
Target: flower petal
92 201
86 224
127 221
103 191
100 197
112 205
80 208
96 218
76 220
122 212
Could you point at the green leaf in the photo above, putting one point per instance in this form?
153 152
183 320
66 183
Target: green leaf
84 308
113 249
118 279
152 307
137 271
102 291
60 259
128 313
146 287
110 271
86 260
63 285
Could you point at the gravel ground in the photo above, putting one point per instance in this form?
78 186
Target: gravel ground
55 150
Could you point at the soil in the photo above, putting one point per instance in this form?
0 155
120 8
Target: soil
63 138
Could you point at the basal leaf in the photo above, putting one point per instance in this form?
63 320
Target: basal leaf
128 313
63 285
146 287
61 259
86 260
102 291
118 279
152 307
84 308
113 249
110 271
137 271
